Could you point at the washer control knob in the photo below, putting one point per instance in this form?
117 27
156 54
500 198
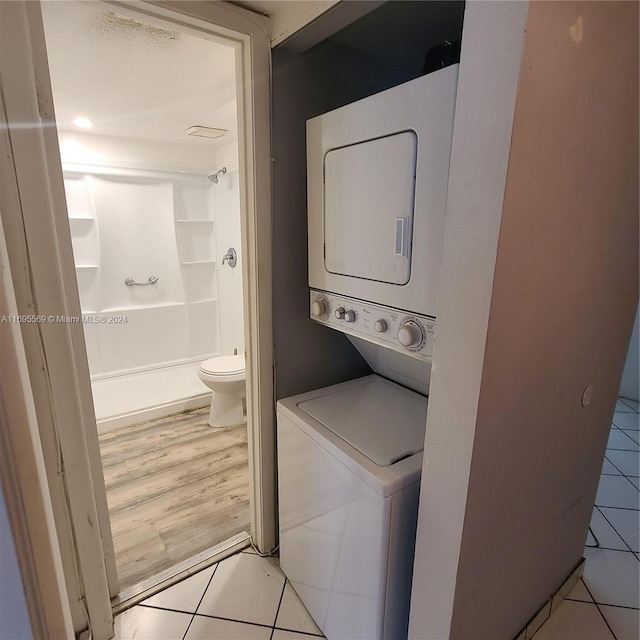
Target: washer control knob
410 334
350 316
319 308
380 325
339 313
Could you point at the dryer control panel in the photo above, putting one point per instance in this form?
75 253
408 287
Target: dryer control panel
407 333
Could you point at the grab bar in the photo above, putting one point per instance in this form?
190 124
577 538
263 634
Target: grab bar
130 282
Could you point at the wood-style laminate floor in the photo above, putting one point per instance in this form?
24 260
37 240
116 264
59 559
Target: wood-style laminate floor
175 487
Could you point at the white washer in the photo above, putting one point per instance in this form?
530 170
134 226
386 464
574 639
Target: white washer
349 464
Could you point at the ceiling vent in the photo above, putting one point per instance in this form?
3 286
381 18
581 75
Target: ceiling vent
205 132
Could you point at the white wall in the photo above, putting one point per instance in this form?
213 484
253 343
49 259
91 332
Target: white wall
490 61
228 234
85 148
629 388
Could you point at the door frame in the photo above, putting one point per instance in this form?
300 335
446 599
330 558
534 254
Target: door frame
36 227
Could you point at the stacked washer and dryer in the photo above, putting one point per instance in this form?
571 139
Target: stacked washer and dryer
350 455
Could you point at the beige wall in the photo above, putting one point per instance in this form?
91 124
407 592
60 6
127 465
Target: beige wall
564 297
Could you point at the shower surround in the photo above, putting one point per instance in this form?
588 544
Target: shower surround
145 250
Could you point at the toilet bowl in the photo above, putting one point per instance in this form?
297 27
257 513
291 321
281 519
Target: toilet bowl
225 376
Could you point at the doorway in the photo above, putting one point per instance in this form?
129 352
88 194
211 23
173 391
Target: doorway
148 134
36 225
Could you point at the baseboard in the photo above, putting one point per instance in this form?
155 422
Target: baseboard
550 605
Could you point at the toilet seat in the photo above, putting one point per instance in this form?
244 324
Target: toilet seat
223 366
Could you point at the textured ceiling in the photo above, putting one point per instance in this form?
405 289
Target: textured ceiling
135 80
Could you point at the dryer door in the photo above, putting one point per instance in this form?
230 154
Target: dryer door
369 195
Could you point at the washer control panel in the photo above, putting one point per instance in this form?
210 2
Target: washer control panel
407 333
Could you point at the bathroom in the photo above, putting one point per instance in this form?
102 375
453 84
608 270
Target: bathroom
150 163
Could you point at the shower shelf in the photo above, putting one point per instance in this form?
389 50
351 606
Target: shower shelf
82 218
86 266
191 262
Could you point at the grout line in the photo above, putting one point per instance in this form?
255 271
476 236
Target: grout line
624 475
599 610
624 401
625 431
614 528
193 616
620 606
304 633
157 608
273 626
634 450
609 548
254 624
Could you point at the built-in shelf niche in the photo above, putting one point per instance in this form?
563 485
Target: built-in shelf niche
84 239
196 242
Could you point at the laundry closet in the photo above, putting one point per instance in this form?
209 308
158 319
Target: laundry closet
506 493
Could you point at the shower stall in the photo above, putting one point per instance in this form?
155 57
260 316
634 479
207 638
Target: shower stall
145 251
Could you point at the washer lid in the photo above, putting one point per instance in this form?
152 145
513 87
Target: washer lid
223 365
381 420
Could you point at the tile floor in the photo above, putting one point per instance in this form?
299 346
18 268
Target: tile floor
246 597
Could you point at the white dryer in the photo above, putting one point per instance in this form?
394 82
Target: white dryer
377 178
349 463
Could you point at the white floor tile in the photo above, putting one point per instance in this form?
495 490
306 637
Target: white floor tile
609 470
280 634
579 592
245 587
575 621
626 523
143 623
625 623
634 404
612 577
213 629
627 461
618 439
293 614
622 407
626 420
605 533
183 596
616 491
634 435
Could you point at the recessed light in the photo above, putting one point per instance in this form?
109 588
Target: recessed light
83 123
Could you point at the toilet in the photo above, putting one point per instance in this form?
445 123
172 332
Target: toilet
225 376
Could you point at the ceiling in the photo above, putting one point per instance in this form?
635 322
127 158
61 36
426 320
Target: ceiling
137 80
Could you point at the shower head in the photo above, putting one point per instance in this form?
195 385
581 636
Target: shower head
214 176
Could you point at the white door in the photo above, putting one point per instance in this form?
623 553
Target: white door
369 194
37 231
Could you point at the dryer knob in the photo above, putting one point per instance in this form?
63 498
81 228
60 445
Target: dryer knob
339 314
350 316
410 334
319 308
380 325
